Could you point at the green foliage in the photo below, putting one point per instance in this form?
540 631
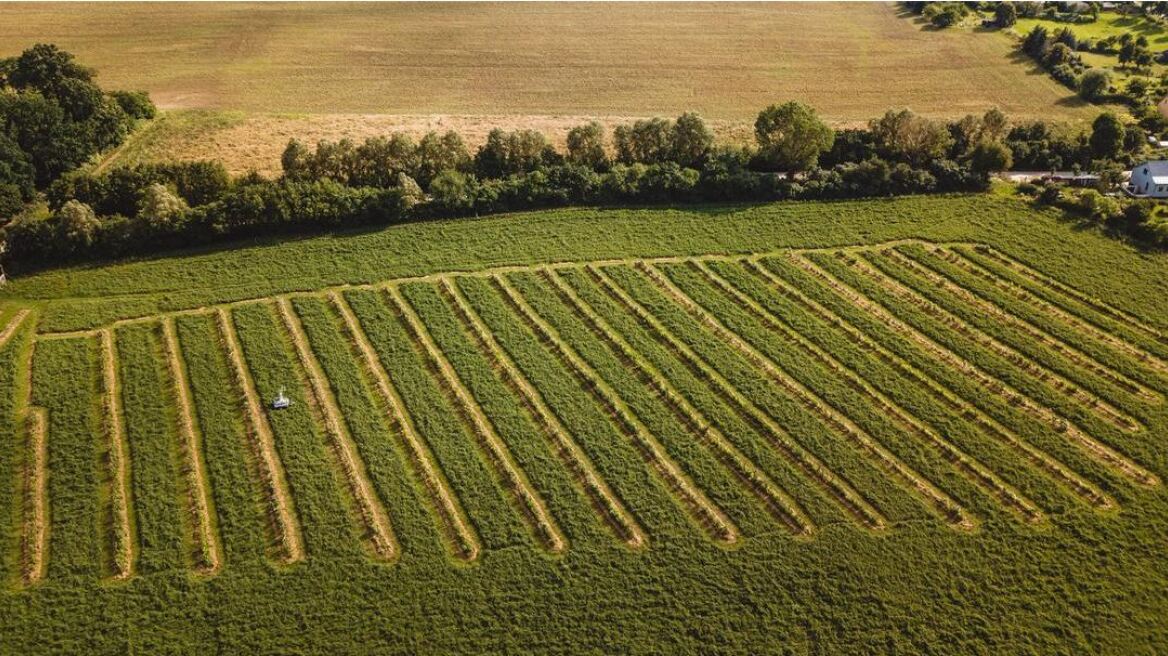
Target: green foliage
791 137
1107 135
1094 84
586 146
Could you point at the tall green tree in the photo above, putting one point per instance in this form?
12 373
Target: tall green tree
791 137
1107 134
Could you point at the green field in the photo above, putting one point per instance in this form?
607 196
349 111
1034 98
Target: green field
244 78
916 425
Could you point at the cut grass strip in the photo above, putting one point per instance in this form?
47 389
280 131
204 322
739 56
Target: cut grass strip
13 325
279 500
209 553
67 384
989 426
866 264
241 505
35 535
122 531
324 406
700 508
532 507
989 482
833 485
954 514
776 500
452 518
1051 285
934 271
1101 452
606 503
1056 313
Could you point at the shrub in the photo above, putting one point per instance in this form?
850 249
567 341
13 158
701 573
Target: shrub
1094 85
136 104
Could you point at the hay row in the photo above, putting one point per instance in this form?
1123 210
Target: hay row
944 505
1057 313
603 500
119 461
1098 450
981 476
324 406
1052 285
989 426
452 520
985 304
777 501
1071 390
35 535
697 504
280 506
531 505
210 552
836 488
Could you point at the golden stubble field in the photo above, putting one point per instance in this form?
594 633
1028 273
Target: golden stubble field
467 66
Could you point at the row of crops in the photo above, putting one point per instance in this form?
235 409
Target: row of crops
576 407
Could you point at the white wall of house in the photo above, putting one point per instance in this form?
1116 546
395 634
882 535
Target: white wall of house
1150 179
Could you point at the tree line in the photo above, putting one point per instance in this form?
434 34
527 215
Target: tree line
795 155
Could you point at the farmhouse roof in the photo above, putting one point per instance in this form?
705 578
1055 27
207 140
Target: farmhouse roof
1157 169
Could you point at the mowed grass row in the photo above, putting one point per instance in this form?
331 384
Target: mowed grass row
439 425
737 383
942 301
922 396
1132 367
1004 385
811 432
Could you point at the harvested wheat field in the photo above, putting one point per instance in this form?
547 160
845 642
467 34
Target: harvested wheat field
746 415
266 72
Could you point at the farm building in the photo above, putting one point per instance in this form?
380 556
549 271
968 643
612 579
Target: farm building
1149 180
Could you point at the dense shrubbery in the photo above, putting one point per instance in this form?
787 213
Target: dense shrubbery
391 179
53 118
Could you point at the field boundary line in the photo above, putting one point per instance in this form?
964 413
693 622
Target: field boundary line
1014 398
1044 375
956 516
773 497
960 406
511 475
210 549
124 553
1043 280
604 499
451 517
1039 334
280 503
323 405
1052 310
838 490
978 473
13 325
697 504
